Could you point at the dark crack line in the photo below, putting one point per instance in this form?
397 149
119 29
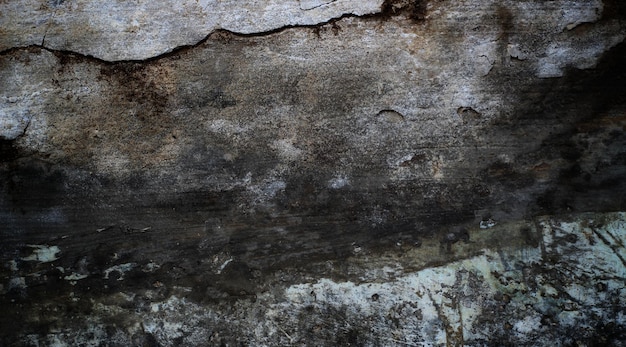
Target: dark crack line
381 15
43 39
23 133
617 240
314 7
30 120
611 246
45 33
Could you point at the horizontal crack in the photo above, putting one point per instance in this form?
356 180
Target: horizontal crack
390 8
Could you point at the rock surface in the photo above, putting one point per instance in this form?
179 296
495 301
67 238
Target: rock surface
312 172
547 281
136 30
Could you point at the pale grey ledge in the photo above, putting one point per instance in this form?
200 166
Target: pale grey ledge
137 30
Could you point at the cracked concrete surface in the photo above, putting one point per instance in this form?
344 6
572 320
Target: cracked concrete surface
137 30
312 172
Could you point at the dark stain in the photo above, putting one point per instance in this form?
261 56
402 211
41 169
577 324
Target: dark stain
501 169
597 92
505 19
68 60
237 279
413 9
335 28
532 239
145 340
577 106
613 9
454 236
138 84
8 151
33 188
217 98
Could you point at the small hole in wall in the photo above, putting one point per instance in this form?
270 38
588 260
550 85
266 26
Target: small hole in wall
391 116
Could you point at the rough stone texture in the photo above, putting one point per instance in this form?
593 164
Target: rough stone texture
312 173
134 30
541 282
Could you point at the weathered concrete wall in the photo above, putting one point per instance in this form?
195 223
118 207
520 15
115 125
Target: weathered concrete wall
289 172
